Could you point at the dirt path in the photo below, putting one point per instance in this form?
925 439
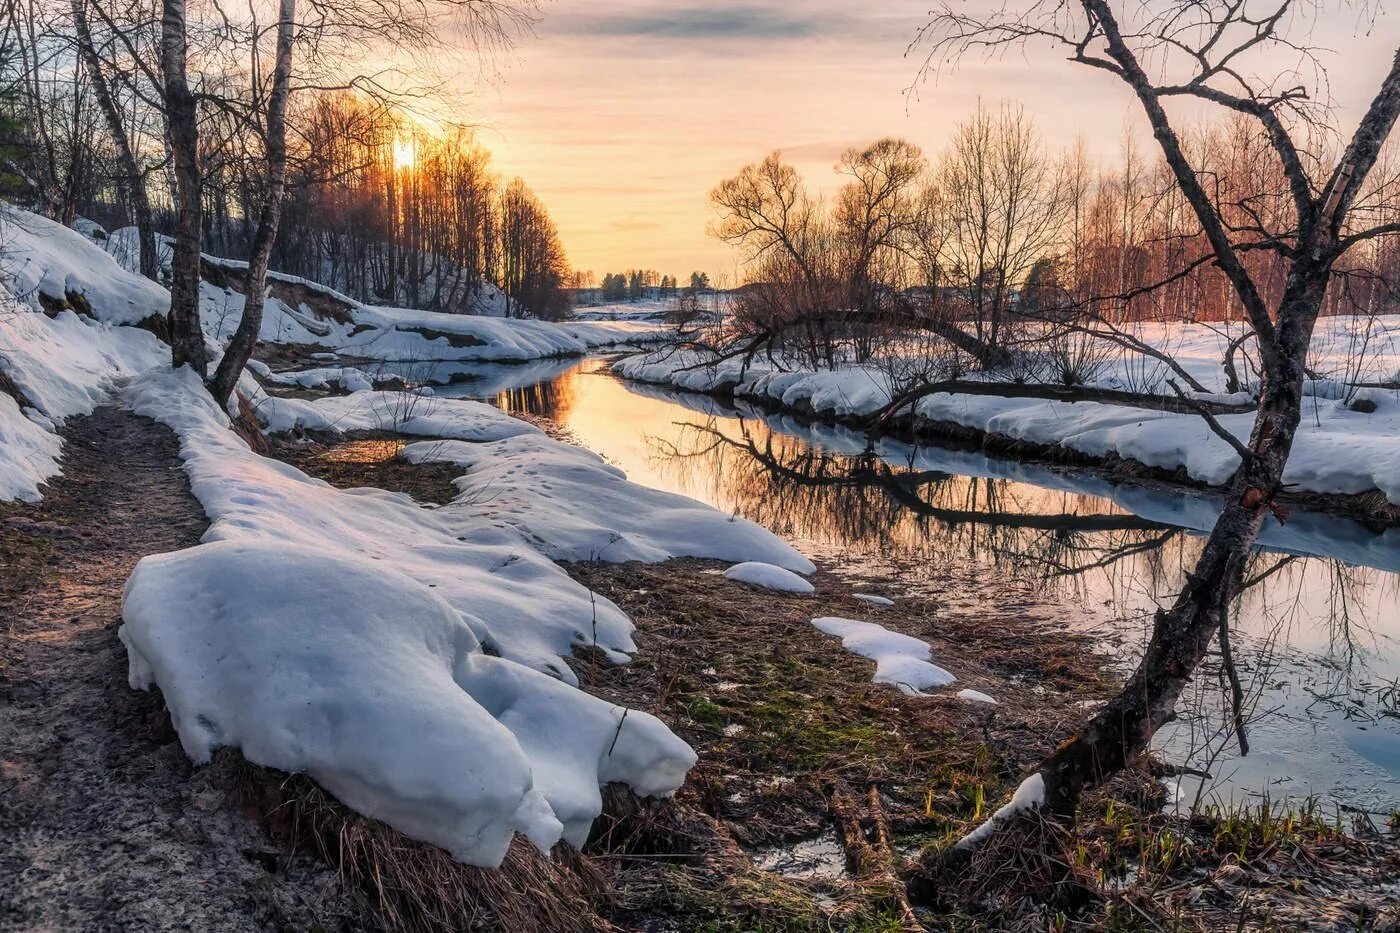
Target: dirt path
103 822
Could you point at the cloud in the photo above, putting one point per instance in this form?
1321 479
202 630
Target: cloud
706 23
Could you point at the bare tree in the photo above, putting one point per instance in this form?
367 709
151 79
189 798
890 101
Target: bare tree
182 134
240 346
135 178
1211 42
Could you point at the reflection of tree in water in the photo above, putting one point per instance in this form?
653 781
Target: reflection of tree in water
548 398
1075 543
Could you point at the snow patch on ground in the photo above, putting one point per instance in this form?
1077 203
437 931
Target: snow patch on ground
573 506
417 413
59 367
900 660
756 573
319 629
873 599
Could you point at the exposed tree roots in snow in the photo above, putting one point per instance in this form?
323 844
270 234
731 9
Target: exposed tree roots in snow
103 822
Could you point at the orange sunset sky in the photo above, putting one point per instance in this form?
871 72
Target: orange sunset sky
623 114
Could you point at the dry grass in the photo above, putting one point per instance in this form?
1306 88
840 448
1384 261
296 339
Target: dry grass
413 886
361 459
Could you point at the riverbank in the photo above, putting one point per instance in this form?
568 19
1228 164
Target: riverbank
795 742
1346 462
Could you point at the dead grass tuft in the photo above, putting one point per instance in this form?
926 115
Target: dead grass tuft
414 886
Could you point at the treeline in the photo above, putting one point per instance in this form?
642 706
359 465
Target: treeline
998 231
636 284
393 215
373 206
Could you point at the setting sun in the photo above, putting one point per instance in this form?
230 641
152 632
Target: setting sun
405 154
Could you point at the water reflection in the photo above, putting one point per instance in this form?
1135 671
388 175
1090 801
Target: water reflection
1316 628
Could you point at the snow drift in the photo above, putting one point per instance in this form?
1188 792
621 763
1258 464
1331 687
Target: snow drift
351 634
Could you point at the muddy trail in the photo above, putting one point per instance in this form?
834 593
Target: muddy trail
104 823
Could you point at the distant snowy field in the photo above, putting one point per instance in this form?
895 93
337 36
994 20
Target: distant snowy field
1339 449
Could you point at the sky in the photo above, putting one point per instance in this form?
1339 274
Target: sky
623 114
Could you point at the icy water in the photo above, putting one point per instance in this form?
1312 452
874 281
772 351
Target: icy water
1318 634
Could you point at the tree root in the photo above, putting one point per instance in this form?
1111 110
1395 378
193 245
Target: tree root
865 837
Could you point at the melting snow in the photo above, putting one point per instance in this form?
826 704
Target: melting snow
899 659
756 573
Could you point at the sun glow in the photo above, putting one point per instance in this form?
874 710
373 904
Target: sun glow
405 154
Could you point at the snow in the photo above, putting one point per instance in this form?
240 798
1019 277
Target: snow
314 661
769 577
42 256
1029 795
318 629
976 696
354 331
60 367
873 599
29 453
899 659
324 377
416 413
65 365
1371 440
573 506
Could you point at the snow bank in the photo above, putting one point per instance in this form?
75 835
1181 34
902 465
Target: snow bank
325 377
302 312
65 365
417 413
899 659
44 257
58 367
350 634
756 573
573 506
29 453
1337 451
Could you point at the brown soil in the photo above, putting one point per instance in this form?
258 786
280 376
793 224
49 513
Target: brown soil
104 824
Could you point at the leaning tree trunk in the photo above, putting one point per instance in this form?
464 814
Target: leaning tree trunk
182 130
240 347
1182 634
135 180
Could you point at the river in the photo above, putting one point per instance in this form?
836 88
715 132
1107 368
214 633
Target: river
1317 634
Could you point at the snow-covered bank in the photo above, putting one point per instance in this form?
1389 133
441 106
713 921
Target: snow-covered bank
316 628
54 369
1340 449
308 314
1305 533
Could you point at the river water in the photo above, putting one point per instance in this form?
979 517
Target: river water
1317 636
